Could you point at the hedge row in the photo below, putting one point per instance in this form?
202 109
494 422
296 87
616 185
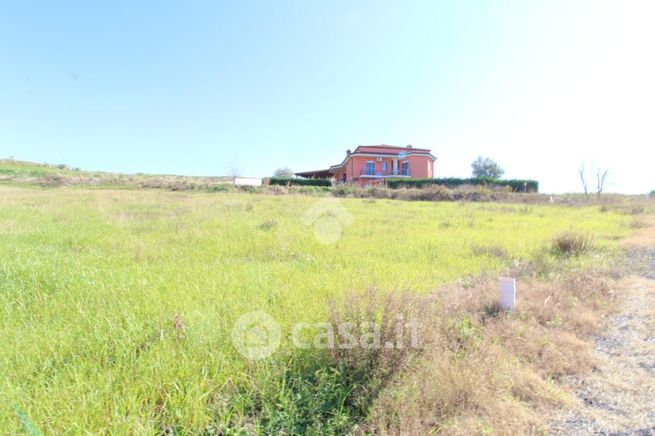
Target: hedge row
288 181
517 185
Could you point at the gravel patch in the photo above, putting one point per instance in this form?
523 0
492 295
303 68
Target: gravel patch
618 397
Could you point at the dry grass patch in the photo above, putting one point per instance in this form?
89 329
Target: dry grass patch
483 370
643 234
639 223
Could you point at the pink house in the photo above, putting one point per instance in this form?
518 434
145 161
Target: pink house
371 164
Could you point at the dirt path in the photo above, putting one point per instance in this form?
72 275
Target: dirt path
618 398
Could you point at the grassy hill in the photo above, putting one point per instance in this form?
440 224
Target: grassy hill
26 174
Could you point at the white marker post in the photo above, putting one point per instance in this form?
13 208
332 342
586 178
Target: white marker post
507 293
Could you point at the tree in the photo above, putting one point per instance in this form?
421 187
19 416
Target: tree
600 174
601 180
583 179
285 172
485 167
233 170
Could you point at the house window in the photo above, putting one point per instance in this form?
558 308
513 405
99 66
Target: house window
370 168
384 166
405 168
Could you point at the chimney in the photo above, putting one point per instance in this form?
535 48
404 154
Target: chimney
409 146
348 152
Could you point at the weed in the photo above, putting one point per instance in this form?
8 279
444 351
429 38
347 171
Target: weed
572 243
496 251
445 224
267 225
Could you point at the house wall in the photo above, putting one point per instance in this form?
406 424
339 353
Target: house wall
419 167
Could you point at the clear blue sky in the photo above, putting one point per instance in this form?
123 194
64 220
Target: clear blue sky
191 87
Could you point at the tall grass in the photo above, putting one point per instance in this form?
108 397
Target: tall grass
116 306
573 243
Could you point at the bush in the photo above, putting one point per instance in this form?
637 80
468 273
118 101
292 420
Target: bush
517 185
288 181
572 243
430 193
301 394
427 193
369 368
53 180
314 190
276 190
343 190
331 391
219 188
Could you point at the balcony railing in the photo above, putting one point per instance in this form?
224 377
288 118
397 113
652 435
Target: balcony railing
399 173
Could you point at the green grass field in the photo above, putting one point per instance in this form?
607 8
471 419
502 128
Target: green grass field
91 282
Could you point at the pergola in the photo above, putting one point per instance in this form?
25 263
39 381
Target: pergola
317 174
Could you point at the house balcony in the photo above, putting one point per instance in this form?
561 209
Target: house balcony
383 174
